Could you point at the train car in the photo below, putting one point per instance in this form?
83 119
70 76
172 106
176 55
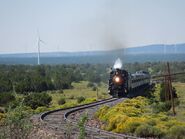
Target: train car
139 79
122 83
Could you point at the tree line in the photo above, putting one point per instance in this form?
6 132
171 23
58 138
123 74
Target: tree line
30 78
27 78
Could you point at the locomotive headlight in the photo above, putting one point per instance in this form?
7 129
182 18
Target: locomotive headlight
117 79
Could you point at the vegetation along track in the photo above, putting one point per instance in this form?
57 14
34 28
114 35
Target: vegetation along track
63 123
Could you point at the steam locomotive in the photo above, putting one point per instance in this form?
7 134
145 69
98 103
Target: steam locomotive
122 83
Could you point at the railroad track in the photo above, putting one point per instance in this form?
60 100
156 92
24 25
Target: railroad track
62 123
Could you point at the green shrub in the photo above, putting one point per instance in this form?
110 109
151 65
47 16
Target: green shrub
71 97
176 132
132 126
151 122
90 84
94 88
81 126
60 91
62 101
2 110
176 102
80 99
161 107
104 93
41 109
100 113
146 130
89 100
5 84
2 116
13 104
162 93
17 124
35 100
5 98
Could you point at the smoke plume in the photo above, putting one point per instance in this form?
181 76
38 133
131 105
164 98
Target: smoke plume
118 64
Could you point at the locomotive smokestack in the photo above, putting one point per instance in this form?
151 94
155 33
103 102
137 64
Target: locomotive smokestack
118 64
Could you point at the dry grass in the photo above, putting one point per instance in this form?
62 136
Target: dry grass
79 89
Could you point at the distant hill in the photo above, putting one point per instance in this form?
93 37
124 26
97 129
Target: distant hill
158 49
148 49
150 53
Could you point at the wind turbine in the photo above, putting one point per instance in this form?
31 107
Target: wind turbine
38 43
175 48
164 49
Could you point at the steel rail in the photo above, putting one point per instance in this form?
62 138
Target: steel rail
97 130
43 115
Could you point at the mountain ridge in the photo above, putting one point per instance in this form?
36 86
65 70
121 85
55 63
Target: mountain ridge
147 49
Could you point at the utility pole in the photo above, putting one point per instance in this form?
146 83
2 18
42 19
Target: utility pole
166 88
170 89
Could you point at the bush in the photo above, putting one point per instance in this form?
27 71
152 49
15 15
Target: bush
131 127
35 100
151 122
17 123
176 132
2 116
162 93
80 99
81 126
5 84
5 98
2 110
146 130
13 104
90 84
61 101
41 109
60 91
71 97
89 100
161 107
94 88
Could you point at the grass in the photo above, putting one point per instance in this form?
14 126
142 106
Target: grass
79 89
180 109
71 95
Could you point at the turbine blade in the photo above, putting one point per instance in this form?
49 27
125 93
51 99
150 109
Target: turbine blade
42 41
38 33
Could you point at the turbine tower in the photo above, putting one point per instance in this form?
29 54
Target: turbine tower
164 49
175 48
39 42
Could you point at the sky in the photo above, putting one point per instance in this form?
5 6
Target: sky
88 25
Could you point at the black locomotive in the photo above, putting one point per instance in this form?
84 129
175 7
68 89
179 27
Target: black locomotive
122 83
